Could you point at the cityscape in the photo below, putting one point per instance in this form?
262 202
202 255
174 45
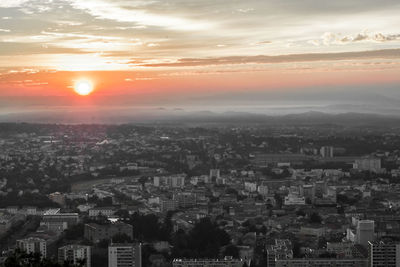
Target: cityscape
181 195
199 133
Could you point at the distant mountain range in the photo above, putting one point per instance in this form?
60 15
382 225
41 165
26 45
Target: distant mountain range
199 117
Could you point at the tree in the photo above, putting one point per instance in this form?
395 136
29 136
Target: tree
124 214
143 180
315 218
203 241
22 259
231 250
147 227
121 238
103 243
300 213
340 210
75 232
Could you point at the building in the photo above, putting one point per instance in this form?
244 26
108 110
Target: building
104 211
308 191
250 187
320 188
214 175
58 198
73 254
384 254
365 232
12 209
174 181
226 262
293 199
30 210
321 262
281 255
6 222
125 255
341 249
33 245
97 232
331 194
156 181
368 164
59 222
185 199
312 230
263 160
326 152
281 250
168 204
263 190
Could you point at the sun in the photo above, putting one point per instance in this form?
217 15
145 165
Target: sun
83 87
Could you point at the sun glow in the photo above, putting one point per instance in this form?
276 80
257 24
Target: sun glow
83 87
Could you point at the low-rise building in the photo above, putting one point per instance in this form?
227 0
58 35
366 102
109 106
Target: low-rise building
33 245
97 232
74 254
226 262
59 222
104 211
321 262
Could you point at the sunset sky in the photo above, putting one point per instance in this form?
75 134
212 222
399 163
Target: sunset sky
172 52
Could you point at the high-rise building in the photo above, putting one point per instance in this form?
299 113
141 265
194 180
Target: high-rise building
214 175
320 188
74 254
125 255
365 232
33 245
384 254
308 191
326 151
368 164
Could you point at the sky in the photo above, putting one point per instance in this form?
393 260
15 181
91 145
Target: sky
202 53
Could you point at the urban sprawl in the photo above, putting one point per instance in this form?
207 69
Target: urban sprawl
191 196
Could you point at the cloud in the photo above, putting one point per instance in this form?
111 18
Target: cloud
314 42
358 37
263 59
12 3
264 42
134 11
14 48
153 45
245 10
329 38
379 37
